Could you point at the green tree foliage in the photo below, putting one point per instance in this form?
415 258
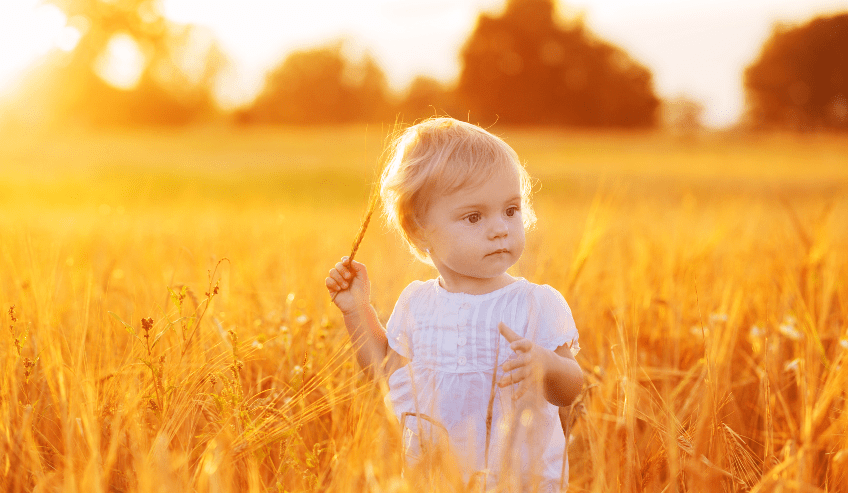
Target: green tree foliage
524 67
321 86
175 86
800 79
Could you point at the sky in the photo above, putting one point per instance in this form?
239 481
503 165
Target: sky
695 48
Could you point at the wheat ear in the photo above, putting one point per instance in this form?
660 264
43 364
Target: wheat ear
372 206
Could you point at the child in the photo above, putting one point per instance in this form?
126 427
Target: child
460 198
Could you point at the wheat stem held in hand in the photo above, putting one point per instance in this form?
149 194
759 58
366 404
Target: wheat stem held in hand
372 206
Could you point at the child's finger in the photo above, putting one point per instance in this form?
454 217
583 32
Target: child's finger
505 380
514 377
508 334
518 361
523 345
332 285
518 394
339 278
343 270
354 268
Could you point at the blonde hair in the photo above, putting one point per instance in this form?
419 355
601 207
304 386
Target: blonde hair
440 156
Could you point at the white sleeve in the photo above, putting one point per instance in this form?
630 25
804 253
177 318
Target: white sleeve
553 324
399 326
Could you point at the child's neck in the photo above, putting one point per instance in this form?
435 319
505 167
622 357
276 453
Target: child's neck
457 283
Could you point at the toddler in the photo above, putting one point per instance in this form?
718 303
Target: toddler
459 197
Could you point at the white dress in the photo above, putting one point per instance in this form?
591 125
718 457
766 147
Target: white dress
443 395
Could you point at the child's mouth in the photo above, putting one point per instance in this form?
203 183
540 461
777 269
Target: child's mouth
496 252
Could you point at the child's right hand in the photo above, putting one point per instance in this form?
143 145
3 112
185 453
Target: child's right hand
349 286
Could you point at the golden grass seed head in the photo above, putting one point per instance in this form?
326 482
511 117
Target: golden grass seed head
29 366
215 289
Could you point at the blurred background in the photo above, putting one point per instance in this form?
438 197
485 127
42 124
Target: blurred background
776 64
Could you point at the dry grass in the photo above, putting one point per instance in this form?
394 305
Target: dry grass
707 277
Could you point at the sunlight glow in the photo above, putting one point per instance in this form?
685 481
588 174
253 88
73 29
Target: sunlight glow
68 38
28 31
122 64
70 35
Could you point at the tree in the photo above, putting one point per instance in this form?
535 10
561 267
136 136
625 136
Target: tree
321 86
800 79
69 90
682 115
525 68
427 97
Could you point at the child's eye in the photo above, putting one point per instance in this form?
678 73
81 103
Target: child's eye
473 218
511 211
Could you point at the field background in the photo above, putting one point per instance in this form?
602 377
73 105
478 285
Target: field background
706 274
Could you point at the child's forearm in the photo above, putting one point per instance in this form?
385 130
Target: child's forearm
563 379
368 338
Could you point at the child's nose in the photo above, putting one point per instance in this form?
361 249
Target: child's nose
499 228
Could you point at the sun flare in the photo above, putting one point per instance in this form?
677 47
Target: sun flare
28 31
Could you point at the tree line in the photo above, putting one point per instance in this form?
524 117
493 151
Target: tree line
525 66
800 79
521 67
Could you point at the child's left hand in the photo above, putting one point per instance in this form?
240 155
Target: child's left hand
527 366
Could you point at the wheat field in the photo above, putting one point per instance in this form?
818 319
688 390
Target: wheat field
166 326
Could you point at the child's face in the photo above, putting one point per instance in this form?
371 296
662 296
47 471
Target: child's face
476 233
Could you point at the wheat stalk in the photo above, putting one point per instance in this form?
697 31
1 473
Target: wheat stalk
489 411
372 206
